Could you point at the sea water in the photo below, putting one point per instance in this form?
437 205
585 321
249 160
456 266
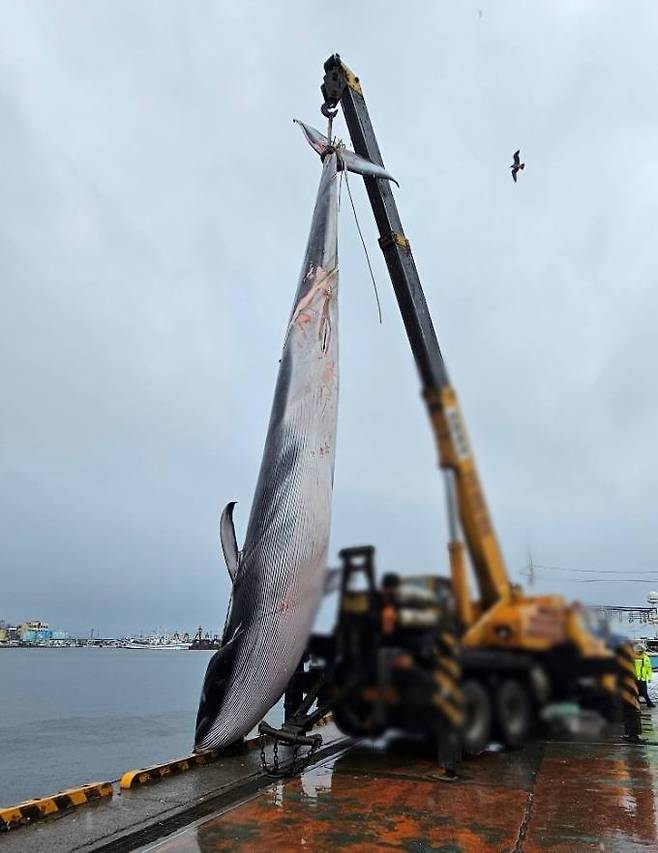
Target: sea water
75 715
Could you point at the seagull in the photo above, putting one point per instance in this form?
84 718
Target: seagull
517 164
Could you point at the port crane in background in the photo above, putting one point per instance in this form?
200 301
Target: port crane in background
513 652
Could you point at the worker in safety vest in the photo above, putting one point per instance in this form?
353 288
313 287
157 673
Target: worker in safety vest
643 672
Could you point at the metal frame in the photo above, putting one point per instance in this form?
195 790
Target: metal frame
340 85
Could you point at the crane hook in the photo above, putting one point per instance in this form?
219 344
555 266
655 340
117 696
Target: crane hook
330 115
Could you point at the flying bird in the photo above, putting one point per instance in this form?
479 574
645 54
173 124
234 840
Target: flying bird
517 164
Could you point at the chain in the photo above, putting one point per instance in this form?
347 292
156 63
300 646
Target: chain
274 769
261 744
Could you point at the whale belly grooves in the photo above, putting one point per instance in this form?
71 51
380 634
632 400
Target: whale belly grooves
280 579
279 576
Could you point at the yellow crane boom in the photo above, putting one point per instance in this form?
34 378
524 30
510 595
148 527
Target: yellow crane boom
502 616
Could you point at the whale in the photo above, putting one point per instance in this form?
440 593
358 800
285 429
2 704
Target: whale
279 574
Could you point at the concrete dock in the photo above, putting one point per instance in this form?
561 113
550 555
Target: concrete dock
568 793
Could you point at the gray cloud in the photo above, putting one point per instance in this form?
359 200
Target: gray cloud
155 204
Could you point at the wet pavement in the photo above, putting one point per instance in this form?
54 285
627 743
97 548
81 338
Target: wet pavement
132 818
572 793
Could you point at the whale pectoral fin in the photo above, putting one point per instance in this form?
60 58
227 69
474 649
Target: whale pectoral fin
362 166
229 541
318 141
218 674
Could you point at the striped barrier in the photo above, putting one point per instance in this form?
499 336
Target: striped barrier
133 778
156 772
42 807
31 810
447 674
627 689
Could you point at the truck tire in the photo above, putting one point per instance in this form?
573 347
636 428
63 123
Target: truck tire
513 713
476 731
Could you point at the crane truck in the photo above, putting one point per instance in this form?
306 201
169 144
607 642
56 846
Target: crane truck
420 653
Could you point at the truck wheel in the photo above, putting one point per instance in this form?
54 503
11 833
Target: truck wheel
513 713
476 731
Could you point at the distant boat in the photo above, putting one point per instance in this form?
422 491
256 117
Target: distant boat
155 643
204 642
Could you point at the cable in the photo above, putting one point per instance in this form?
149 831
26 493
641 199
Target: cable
593 580
596 571
363 243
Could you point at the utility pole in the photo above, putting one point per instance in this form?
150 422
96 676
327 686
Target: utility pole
529 572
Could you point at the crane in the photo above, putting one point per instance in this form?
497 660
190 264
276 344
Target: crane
499 657
502 616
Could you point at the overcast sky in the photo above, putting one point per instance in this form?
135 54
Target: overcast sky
155 203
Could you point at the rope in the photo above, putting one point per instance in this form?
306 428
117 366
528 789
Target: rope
363 243
340 187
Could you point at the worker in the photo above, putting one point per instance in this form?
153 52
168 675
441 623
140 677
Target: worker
408 663
643 672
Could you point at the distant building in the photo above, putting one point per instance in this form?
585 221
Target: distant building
33 625
34 631
60 635
8 633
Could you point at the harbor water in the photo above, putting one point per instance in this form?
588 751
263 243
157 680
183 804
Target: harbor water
74 715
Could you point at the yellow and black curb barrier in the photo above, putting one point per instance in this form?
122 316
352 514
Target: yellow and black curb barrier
31 810
45 806
133 778
156 772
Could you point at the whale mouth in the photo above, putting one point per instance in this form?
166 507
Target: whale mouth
215 686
